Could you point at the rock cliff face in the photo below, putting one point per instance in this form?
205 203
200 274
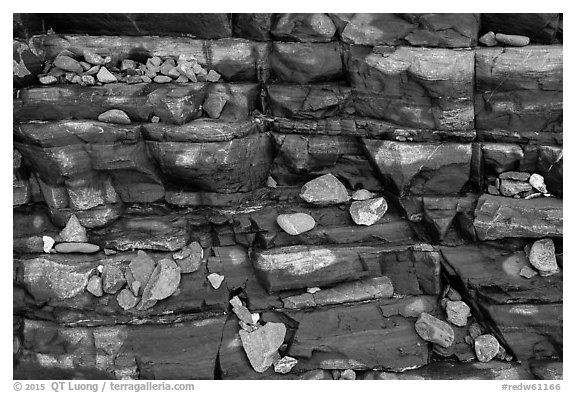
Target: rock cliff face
287 196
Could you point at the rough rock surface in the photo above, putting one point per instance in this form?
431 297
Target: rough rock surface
74 231
162 283
324 190
486 347
262 345
457 312
434 330
542 256
190 257
368 212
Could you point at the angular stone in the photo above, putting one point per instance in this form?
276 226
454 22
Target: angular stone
368 212
93 58
543 256
241 311
295 224
512 40
421 168
213 76
74 231
141 268
262 345
527 272
126 299
189 258
285 365
162 79
67 63
356 291
47 243
457 312
510 188
105 76
434 330
362 195
95 286
486 347
84 248
163 282
537 181
115 116
536 217
488 39
299 301
112 279
215 280
324 190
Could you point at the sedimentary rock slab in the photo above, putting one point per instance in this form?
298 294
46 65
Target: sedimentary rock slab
494 275
238 165
308 27
501 217
306 62
413 87
421 168
198 25
187 350
235 59
200 130
357 337
444 30
529 330
539 27
310 101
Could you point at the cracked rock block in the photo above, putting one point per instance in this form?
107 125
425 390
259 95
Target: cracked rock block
519 90
493 275
252 26
231 102
27 64
366 336
197 25
303 27
529 330
442 30
501 217
178 104
238 165
541 28
413 87
235 59
303 63
187 350
551 166
421 168
310 101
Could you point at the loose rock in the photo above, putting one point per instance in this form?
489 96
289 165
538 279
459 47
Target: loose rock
47 244
434 330
241 311
295 224
324 190
115 116
87 80
537 181
162 79
285 365
163 282
527 272
95 286
313 290
511 187
212 76
48 80
104 76
488 39
486 347
457 312
68 64
362 195
189 258
126 299
348 375
93 58
261 346
83 248
512 175
475 330
112 279
215 280
512 40
543 256
493 190
368 212
141 268
271 183
74 232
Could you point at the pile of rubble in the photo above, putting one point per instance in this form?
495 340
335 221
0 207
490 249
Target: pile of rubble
519 185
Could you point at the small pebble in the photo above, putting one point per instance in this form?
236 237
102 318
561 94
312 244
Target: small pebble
48 80
362 195
212 76
271 183
155 119
537 181
215 280
543 256
115 116
285 365
126 299
95 286
48 243
105 76
488 39
486 347
162 79
84 248
528 272
313 290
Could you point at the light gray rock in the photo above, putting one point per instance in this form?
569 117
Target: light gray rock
295 224
261 346
271 183
543 256
241 311
513 175
457 312
362 195
432 329
141 268
285 365
48 80
215 280
528 272
537 181
95 286
486 347
74 232
105 76
368 212
512 40
475 330
126 299
512 187
189 258
67 63
299 301
163 283
324 190
93 58
112 279
47 244
348 375
488 39
87 80
212 76
162 79
115 116
83 248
